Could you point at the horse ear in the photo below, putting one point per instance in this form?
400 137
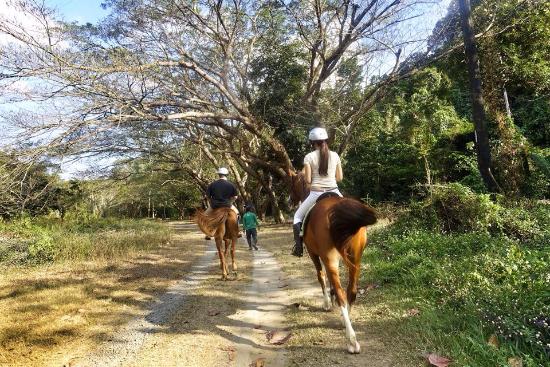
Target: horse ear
290 172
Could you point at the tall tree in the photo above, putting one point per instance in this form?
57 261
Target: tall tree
478 110
168 70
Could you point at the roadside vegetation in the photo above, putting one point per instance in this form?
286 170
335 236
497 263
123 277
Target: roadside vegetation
42 240
472 274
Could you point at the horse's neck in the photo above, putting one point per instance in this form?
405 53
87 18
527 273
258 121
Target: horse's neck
305 193
305 189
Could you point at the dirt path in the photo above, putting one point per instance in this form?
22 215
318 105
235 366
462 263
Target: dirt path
202 321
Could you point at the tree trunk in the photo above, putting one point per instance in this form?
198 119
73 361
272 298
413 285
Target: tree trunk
507 103
149 204
481 134
428 174
278 215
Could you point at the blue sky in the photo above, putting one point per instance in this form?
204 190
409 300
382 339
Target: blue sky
82 11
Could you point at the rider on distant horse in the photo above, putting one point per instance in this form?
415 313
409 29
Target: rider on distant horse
322 170
221 194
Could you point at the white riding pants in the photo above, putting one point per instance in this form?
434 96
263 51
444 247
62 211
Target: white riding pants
308 203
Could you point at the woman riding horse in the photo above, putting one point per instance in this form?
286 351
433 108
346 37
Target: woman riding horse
336 228
323 170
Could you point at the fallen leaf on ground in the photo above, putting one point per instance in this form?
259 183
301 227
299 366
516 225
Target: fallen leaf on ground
298 306
230 352
213 313
437 360
412 312
372 286
258 362
361 291
493 341
277 337
515 362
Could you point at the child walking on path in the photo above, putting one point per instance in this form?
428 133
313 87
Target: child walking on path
250 221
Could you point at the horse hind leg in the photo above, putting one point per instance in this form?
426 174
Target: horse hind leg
353 278
332 271
233 263
223 264
356 251
322 280
226 251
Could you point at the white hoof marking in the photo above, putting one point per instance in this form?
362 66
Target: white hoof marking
354 349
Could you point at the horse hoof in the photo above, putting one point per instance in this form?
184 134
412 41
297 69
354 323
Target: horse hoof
354 349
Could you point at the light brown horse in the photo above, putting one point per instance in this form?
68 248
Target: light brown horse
221 224
335 229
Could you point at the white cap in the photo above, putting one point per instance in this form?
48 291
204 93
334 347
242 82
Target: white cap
223 171
318 133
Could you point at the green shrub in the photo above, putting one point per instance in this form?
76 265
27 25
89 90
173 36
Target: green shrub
455 208
41 249
491 275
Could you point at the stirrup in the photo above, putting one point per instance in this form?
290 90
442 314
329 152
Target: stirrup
296 252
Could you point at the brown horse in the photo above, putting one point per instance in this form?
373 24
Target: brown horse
336 228
221 224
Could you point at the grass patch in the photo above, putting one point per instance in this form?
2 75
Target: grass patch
56 311
468 284
32 241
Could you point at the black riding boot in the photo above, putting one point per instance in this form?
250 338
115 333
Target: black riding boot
298 249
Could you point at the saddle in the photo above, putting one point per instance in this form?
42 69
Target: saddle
209 223
325 195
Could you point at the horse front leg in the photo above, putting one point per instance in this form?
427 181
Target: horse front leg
332 271
221 254
322 280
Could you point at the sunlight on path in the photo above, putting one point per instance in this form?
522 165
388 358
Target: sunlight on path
202 321
122 347
267 301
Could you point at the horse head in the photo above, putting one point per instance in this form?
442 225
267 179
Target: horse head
299 188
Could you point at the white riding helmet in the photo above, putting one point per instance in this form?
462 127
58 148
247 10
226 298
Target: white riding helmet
318 133
223 171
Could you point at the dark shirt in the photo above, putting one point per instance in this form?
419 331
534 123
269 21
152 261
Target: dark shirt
220 193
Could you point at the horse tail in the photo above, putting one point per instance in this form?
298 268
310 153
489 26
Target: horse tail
346 217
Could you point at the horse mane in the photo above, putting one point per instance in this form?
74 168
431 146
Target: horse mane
346 217
209 223
299 188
